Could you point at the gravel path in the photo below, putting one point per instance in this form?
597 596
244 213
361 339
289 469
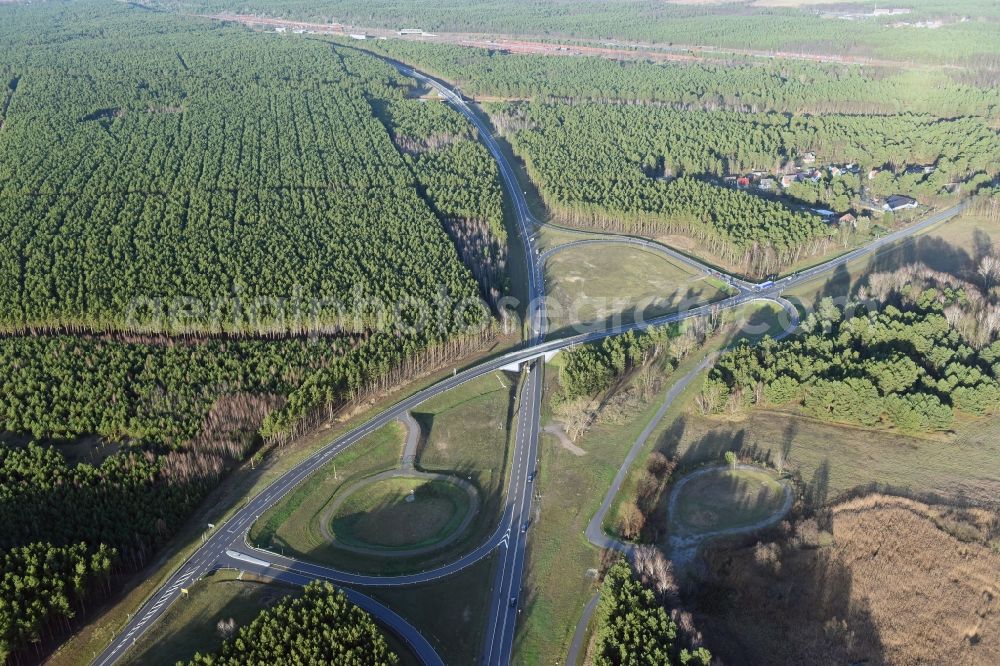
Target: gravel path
683 547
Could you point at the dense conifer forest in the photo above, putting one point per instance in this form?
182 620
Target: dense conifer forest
739 84
654 170
216 238
459 180
212 238
723 24
905 368
192 181
634 628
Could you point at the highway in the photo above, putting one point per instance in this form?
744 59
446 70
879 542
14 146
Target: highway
511 547
505 604
226 546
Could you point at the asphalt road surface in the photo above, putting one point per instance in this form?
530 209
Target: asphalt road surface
506 603
511 547
225 545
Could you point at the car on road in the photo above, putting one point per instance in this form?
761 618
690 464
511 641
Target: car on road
531 477
524 528
513 602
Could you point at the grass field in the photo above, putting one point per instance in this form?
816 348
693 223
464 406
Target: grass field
561 565
751 323
244 482
953 247
884 580
450 613
471 424
190 624
829 459
721 499
618 283
380 515
467 432
550 236
290 526
832 459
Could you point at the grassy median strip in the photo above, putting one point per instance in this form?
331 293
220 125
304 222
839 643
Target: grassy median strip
400 513
243 483
193 623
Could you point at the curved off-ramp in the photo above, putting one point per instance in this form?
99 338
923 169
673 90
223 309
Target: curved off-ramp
682 548
231 535
595 528
407 470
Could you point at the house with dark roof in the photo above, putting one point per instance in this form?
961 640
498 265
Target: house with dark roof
898 202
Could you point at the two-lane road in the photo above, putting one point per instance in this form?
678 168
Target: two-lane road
512 546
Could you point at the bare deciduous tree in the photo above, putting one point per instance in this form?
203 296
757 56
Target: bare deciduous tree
631 520
989 270
660 466
655 571
226 628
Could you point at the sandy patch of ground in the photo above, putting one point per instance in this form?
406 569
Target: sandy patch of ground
555 429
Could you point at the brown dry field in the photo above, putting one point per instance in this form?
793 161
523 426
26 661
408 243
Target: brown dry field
880 580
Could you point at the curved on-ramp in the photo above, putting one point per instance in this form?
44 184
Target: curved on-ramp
683 546
406 470
595 528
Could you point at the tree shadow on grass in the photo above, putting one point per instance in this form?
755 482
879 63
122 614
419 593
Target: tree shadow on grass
645 310
405 520
934 252
331 555
817 490
781 603
724 500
